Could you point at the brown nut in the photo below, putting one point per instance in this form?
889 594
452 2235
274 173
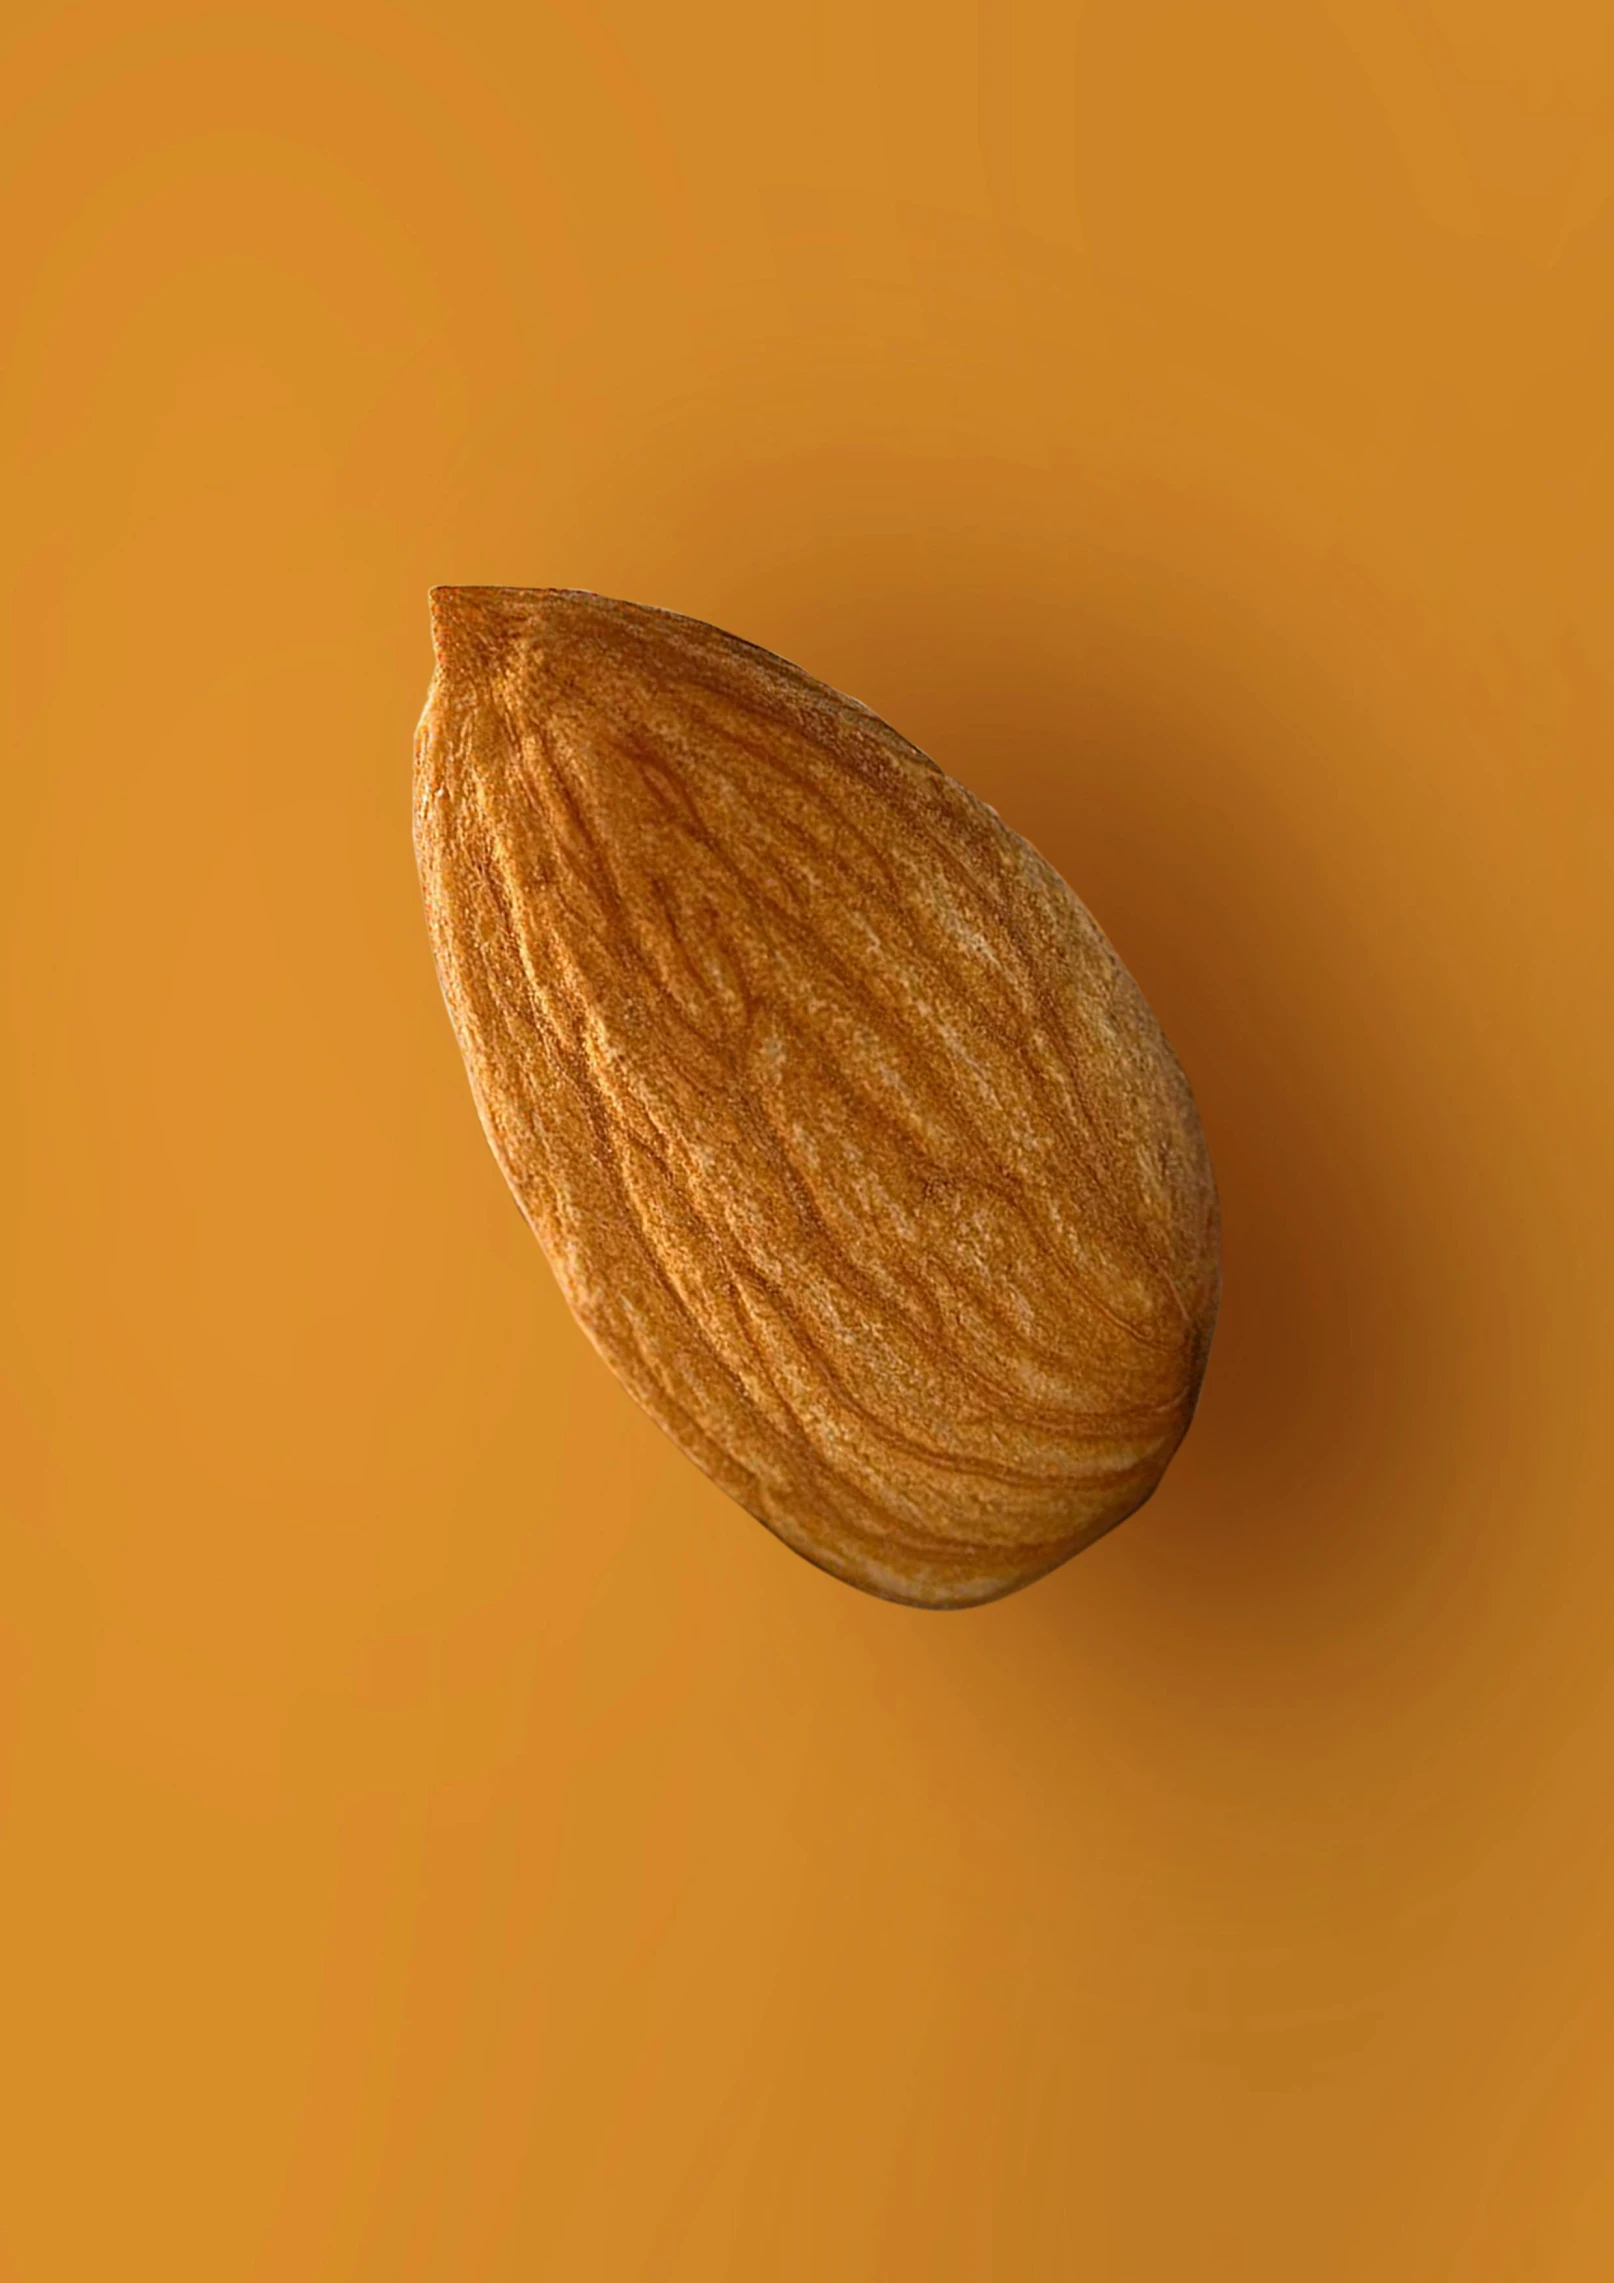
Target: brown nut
855 1149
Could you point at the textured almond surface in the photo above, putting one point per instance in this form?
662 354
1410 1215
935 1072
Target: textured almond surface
852 1144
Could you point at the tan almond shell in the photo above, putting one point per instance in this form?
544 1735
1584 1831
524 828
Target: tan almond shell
853 1146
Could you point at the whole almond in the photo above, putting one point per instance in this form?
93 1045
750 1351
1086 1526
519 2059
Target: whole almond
853 1146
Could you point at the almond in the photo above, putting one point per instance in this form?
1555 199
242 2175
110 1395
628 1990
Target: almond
854 1148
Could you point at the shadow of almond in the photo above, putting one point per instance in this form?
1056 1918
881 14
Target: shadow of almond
1210 809
1347 1385
1214 789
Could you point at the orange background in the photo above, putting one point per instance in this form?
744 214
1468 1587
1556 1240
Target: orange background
445 1842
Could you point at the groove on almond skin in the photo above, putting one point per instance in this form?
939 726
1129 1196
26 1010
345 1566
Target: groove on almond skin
852 1145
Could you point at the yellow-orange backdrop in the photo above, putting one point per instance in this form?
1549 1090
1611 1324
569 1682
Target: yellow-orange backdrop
444 1841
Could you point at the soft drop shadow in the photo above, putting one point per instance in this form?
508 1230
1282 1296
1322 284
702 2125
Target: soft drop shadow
1157 752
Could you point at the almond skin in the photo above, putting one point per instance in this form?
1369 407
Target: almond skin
855 1149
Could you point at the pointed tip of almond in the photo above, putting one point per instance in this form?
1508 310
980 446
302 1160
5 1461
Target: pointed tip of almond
473 626
466 624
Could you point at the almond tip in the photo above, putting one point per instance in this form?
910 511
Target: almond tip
470 624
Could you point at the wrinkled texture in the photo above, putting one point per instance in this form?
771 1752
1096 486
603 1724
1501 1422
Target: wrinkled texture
853 1146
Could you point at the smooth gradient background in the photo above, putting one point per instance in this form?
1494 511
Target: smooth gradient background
444 1841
